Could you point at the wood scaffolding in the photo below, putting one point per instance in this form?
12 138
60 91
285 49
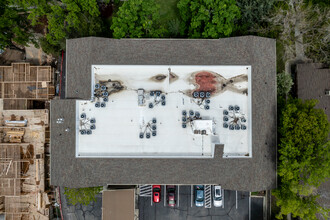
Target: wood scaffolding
22 185
22 84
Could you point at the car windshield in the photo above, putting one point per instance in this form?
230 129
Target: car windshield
199 196
217 192
171 202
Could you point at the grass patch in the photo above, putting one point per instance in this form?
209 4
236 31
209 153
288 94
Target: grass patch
280 65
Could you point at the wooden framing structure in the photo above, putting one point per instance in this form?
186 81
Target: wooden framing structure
22 185
21 84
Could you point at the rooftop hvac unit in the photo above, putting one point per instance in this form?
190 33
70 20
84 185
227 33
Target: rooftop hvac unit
151 105
206 107
225 118
105 93
207 94
237 108
197 114
93 127
201 94
148 135
97 105
327 92
191 112
184 125
231 108
195 94
158 93
184 112
152 93
154 127
89 132
103 105
163 103
237 127
83 132
225 125
208 101
97 86
105 99
243 119
83 115
154 120
154 133
92 120
103 88
231 127
243 127
184 119
163 97
141 135
225 112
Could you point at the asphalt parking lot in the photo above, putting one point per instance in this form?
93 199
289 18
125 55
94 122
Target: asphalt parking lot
236 205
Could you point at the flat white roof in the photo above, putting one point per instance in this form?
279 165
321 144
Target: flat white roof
124 127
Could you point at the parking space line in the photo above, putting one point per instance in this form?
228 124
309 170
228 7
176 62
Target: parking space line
191 195
165 195
223 198
151 197
236 199
178 195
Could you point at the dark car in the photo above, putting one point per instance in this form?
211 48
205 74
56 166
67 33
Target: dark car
199 195
171 189
156 193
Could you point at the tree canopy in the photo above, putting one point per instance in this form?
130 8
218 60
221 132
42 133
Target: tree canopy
14 26
65 19
304 161
208 18
137 18
82 196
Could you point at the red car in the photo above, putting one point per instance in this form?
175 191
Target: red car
156 193
171 195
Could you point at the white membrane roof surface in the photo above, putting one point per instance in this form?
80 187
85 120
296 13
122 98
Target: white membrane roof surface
124 118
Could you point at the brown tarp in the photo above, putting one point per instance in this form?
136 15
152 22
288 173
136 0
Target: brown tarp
118 204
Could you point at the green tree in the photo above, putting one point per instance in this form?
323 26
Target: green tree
137 18
251 12
208 18
304 161
82 196
284 83
65 19
14 26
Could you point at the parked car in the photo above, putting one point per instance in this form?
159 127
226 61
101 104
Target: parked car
171 189
156 193
199 195
217 196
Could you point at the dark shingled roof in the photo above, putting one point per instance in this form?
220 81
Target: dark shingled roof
312 81
256 173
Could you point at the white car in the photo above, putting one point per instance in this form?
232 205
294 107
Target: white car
217 196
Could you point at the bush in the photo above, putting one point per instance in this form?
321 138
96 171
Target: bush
284 84
82 196
208 18
137 18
